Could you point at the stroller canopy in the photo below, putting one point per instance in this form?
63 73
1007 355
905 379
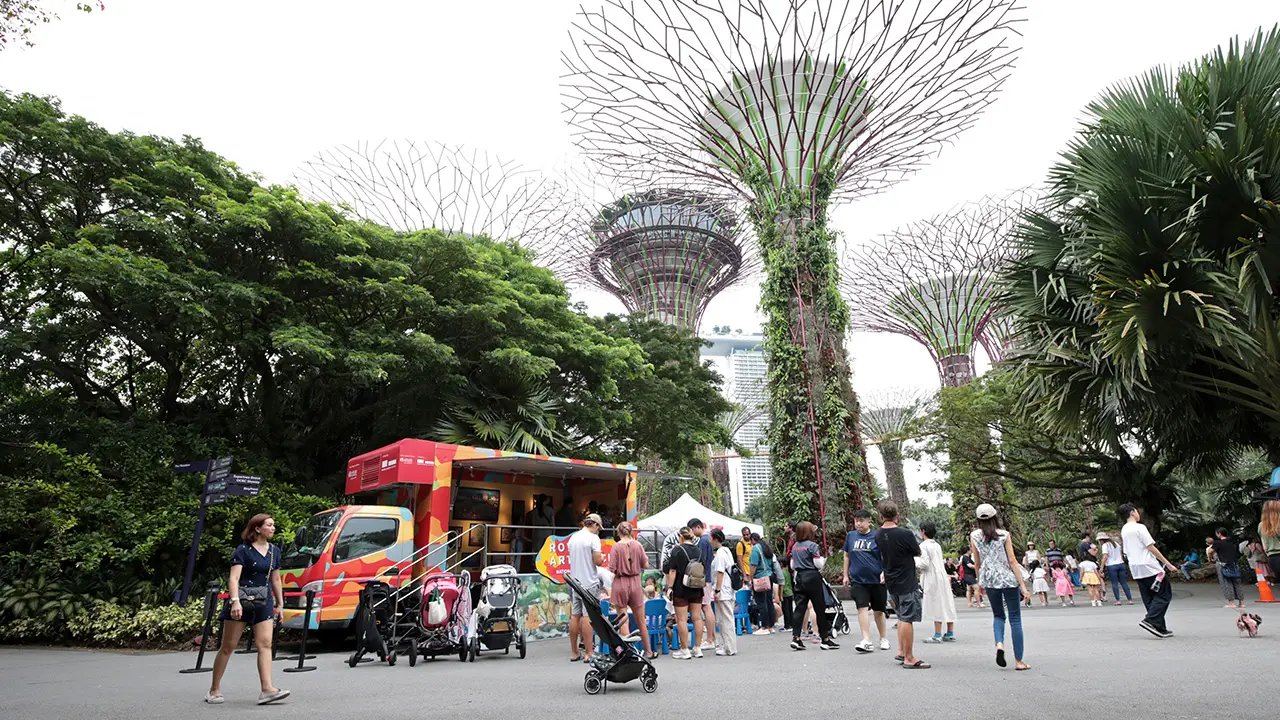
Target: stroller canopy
686 508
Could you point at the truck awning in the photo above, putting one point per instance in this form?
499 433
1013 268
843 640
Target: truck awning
549 467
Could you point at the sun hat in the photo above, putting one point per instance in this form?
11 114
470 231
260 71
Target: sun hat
986 511
1103 536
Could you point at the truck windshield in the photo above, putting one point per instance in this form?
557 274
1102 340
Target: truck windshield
310 540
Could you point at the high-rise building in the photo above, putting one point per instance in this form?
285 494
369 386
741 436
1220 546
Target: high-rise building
740 360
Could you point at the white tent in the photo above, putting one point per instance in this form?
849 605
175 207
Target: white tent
685 509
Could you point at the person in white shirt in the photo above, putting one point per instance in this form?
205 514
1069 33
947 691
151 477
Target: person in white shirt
584 559
1147 565
721 565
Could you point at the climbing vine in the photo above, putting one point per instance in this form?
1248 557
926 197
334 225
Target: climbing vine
819 464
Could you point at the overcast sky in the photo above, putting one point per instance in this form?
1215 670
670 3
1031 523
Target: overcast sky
268 83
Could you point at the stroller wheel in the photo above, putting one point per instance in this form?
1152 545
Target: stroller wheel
391 658
464 651
413 653
521 644
475 649
593 683
649 679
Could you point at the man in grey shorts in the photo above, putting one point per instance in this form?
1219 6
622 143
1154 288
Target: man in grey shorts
584 557
899 549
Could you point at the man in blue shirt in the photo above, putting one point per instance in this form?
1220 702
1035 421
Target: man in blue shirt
708 591
864 577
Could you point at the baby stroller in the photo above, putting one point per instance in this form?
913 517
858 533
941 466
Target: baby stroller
496 624
833 607
375 623
446 610
623 663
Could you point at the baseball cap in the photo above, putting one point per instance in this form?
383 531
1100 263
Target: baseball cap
592 519
986 511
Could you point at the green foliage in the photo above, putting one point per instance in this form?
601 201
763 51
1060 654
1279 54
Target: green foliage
990 448
1146 290
810 397
157 304
19 17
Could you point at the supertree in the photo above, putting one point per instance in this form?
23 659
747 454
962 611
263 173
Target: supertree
665 253
935 281
791 105
408 186
890 417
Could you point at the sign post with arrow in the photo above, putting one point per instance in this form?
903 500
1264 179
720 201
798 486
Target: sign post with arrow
219 484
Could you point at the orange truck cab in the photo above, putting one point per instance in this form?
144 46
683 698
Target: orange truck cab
437 505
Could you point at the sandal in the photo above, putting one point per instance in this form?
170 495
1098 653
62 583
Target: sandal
1000 657
1024 666
576 659
917 665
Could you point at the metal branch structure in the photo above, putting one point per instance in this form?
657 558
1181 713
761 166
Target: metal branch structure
934 281
410 186
789 104
665 253
890 417
997 336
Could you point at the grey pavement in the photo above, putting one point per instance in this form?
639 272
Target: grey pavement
1086 662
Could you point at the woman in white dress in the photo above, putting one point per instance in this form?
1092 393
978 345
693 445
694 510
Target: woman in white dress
939 603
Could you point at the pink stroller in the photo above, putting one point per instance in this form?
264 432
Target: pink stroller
446 610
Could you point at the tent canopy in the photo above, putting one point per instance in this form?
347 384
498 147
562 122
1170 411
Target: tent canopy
686 508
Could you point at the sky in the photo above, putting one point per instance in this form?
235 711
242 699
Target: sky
268 84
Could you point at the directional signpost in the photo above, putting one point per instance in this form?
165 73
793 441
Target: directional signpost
219 484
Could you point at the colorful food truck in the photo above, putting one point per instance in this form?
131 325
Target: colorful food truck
419 504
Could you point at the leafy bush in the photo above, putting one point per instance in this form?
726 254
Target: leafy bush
112 625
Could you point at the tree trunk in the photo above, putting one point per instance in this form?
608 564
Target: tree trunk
819 464
891 452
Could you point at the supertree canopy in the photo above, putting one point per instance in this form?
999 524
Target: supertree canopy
664 253
412 186
935 281
890 417
789 104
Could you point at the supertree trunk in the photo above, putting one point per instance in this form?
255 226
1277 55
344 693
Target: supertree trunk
819 465
891 452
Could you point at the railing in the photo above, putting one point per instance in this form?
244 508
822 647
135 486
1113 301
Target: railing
650 539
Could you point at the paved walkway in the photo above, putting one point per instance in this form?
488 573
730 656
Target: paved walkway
1087 662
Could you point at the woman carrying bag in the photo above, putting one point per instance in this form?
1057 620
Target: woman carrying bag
255 598
761 566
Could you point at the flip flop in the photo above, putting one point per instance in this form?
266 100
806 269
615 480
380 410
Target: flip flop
1024 667
575 659
1000 657
917 665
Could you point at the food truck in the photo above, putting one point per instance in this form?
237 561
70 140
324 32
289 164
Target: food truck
417 505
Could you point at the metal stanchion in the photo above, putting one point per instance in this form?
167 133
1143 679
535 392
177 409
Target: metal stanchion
210 603
306 627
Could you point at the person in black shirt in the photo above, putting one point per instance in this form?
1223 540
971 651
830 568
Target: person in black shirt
1227 551
899 549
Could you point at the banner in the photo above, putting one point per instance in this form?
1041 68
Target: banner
553 557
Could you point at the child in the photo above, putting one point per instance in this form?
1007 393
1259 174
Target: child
650 588
1089 577
1039 586
1062 584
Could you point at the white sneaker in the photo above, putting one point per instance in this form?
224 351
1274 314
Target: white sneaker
761 631
697 652
213 699
681 655
722 652
270 697
707 646
884 644
864 647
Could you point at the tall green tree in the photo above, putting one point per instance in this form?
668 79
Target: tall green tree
1146 291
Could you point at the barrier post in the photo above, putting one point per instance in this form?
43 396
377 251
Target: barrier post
306 627
210 603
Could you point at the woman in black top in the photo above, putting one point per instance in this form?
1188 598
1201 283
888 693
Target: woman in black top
806 563
255 570
1226 550
682 597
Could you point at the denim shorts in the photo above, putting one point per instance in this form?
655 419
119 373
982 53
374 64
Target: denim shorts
909 607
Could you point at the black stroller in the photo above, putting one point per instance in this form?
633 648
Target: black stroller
623 663
833 607
376 623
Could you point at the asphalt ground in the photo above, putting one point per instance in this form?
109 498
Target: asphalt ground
1086 662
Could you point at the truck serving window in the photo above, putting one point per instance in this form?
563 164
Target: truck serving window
364 535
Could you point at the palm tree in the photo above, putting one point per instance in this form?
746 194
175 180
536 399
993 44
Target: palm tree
1146 290
522 419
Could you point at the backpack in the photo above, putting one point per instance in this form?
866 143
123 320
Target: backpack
735 577
695 575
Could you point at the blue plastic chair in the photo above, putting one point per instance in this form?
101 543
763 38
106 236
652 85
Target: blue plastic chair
741 614
655 618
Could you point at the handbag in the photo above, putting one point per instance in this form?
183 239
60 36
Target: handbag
1230 572
761 584
253 598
